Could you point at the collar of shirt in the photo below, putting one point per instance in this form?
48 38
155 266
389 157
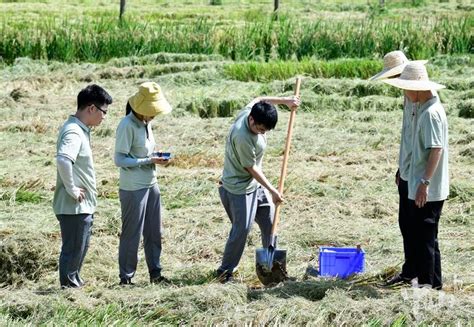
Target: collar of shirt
427 104
246 122
80 123
136 120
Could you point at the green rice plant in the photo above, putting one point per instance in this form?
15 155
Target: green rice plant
162 58
23 196
92 39
450 61
281 70
316 103
210 107
458 84
26 192
347 87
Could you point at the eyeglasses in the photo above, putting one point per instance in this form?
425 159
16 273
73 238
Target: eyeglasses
97 107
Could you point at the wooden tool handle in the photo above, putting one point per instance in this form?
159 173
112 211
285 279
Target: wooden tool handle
284 167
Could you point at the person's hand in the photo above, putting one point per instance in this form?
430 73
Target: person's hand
79 194
276 196
293 102
421 195
397 177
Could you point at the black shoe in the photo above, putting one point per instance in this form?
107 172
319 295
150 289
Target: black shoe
398 280
126 281
160 280
224 276
63 287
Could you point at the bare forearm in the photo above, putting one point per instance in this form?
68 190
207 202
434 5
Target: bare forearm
260 177
433 160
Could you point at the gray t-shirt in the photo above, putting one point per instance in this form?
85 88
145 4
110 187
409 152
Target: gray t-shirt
431 131
135 139
74 144
243 149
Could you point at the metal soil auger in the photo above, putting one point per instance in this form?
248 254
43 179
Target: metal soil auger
271 262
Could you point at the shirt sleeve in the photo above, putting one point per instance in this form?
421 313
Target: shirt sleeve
432 132
65 172
125 161
70 145
123 138
245 151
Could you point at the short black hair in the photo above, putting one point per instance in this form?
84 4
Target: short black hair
264 113
93 94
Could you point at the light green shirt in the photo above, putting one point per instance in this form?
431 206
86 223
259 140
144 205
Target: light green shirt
406 140
135 139
431 131
243 149
74 144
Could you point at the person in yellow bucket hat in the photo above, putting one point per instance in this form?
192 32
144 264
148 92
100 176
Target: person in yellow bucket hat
428 178
393 64
139 192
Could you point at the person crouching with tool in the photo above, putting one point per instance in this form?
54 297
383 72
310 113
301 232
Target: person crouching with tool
244 190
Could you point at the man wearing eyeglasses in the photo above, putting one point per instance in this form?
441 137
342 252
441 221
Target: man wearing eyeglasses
75 195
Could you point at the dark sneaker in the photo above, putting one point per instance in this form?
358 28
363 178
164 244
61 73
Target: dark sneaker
224 276
160 280
126 281
398 280
229 278
219 272
63 287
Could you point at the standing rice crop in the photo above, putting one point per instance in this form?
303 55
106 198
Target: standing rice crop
93 39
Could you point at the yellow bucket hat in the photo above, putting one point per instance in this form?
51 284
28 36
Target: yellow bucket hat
149 100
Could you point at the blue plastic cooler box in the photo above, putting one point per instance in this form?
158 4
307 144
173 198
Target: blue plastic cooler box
340 262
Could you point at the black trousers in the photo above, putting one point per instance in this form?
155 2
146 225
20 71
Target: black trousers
425 222
408 232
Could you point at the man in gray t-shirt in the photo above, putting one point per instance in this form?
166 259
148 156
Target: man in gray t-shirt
428 180
75 195
245 192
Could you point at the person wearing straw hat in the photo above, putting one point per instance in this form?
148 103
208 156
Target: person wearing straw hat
139 193
428 180
75 195
393 64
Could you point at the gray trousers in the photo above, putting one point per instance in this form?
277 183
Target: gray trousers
242 210
75 235
141 214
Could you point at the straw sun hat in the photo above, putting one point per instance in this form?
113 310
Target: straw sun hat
415 78
149 100
393 64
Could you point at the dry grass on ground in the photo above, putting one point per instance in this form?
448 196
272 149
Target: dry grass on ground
339 191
